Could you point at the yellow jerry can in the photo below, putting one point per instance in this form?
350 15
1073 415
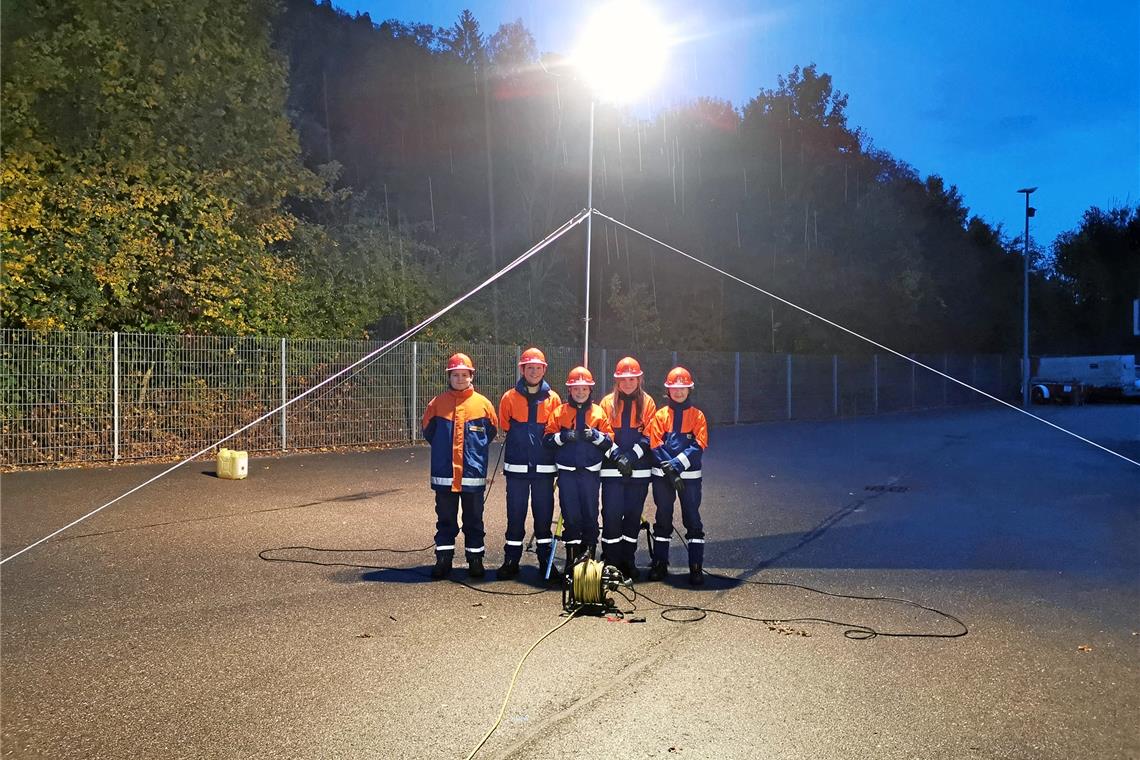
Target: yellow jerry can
233 465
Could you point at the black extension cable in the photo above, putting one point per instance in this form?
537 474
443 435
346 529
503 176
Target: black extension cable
855 631
494 471
674 613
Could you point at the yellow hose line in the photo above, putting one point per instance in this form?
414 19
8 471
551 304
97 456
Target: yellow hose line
510 688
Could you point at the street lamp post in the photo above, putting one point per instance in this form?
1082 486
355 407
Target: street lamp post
621 52
589 235
1029 211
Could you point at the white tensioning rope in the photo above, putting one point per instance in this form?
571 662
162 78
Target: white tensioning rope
566 227
864 337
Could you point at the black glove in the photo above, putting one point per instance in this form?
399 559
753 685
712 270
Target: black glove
599 439
624 466
673 476
569 436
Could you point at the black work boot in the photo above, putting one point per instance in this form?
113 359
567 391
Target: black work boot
629 571
475 566
696 575
629 562
442 565
508 570
658 571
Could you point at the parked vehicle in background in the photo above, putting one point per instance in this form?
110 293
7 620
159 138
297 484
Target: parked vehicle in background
1076 379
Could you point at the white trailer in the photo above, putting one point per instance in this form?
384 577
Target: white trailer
1075 379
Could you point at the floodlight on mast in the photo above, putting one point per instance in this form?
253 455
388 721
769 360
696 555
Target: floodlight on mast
620 54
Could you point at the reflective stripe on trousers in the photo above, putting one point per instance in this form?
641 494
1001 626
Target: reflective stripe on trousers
447 505
664 496
578 498
539 493
623 502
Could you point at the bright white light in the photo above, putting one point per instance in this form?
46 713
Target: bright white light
622 49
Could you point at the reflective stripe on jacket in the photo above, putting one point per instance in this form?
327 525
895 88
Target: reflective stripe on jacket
580 454
679 434
523 417
630 436
460 426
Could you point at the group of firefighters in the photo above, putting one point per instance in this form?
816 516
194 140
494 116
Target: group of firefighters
623 446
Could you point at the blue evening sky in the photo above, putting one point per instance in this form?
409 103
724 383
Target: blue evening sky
992 96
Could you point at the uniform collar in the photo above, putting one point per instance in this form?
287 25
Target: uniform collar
462 394
681 406
542 392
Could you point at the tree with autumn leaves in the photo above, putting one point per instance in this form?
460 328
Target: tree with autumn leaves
244 167
152 180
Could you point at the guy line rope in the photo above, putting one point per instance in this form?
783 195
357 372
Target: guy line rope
862 337
559 232
574 221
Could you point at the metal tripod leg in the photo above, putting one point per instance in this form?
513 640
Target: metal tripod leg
553 548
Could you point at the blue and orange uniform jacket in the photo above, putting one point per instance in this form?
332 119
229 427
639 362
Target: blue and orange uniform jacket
631 435
523 417
581 454
460 426
679 433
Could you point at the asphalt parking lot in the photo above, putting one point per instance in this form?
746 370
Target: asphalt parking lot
158 629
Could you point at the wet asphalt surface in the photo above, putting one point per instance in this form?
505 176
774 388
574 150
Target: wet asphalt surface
154 628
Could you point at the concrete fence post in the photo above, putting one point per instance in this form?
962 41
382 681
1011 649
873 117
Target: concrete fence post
835 385
736 392
284 429
604 374
115 398
945 382
415 382
788 383
875 382
913 383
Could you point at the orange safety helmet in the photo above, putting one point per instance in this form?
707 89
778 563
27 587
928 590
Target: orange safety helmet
628 367
579 376
532 356
679 377
460 361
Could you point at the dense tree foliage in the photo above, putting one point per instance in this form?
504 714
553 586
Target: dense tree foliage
782 193
149 173
1097 273
156 176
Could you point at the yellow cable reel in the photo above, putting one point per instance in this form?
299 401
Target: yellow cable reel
587 585
587 582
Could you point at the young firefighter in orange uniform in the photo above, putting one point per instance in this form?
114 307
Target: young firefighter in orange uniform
460 425
679 435
528 464
582 434
626 473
